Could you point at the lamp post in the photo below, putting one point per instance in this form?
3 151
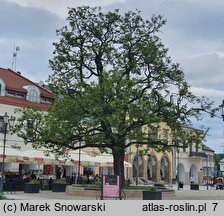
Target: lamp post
137 167
178 169
207 171
77 180
6 121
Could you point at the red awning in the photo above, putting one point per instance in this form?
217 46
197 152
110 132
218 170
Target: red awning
39 159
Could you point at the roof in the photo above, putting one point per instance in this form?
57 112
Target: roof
15 82
191 127
13 101
206 148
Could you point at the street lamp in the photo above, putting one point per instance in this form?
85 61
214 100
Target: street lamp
78 178
207 170
137 166
5 122
178 169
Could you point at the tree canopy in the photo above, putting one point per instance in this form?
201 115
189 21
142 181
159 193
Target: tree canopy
111 76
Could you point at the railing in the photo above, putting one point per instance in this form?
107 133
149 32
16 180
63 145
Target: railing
197 154
17 184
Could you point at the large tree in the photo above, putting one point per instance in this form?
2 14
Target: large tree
112 76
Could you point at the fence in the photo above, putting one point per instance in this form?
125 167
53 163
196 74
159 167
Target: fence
17 184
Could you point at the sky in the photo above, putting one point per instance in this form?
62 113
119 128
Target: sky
193 33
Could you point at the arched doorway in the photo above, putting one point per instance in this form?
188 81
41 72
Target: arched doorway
137 166
151 168
181 172
193 173
164 169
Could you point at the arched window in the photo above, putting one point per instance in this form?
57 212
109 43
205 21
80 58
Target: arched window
33 94
2 87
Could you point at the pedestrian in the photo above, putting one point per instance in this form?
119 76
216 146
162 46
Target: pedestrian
33 175
192 179
1 182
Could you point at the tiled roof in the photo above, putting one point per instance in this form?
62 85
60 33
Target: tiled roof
15 82
206 148
13 101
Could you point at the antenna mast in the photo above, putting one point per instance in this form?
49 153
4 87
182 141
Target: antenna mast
14 57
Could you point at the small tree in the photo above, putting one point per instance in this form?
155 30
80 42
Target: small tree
112 76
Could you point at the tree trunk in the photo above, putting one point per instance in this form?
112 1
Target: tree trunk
119 163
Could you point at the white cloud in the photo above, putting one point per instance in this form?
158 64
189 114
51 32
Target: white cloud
207 92
204 69
60 6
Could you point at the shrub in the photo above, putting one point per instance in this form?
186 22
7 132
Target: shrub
2 196
34 181
151 188
59 181
140 187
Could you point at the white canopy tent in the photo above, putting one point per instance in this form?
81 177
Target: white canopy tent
10 154
106 160
85 159
36 158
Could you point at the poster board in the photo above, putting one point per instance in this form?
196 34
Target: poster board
110 186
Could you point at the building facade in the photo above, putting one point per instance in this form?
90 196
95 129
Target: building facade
154 166
16 91
177 165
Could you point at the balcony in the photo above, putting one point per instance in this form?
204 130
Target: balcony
198 154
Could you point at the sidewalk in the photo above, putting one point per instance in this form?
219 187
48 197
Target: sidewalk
182 194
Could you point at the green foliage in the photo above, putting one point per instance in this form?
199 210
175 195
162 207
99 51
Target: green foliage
132 187
151 188
217 158
29 123
94 185
59 181
111 70
2 196
34 181
98 185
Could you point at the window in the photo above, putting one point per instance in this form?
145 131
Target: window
165 134
15 94
46 100
33 94
152 132
1 124
2 88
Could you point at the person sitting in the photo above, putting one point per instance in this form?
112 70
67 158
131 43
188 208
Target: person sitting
33 175
26 177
